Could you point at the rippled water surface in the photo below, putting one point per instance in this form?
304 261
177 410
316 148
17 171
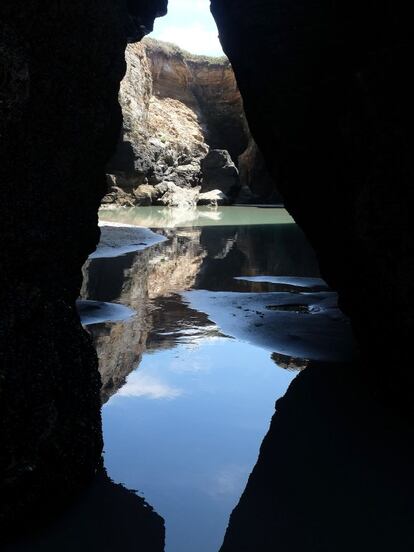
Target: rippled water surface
222 320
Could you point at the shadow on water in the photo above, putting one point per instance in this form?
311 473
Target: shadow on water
106 517
335 472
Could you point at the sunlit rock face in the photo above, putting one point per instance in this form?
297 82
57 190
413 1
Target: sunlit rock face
206 84
61 64
328 98
178 106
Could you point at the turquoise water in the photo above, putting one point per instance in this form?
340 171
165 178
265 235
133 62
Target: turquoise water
163 217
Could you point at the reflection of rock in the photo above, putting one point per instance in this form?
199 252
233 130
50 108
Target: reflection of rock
177 267
278 250
120 348
163 269
175 322
334 472
207 258
129 523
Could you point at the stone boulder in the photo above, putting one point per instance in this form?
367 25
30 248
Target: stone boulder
213 198
145 194
174 196
220 173
124 181
118 196
186 176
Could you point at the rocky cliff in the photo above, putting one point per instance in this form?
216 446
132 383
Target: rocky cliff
177 107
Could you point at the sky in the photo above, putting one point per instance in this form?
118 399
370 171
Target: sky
190 25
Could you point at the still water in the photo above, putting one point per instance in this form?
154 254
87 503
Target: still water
221 315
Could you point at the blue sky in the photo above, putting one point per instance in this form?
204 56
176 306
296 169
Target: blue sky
189 24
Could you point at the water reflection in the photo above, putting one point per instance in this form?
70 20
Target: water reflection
190 438
144 282
279 250
188 399
141 384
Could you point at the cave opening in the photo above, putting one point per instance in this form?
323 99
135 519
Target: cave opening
204 311
222 290
184 122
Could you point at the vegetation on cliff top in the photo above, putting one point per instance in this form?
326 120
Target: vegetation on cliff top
172 50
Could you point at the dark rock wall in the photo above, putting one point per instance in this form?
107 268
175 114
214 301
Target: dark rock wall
328 96
60 68
255 176
105 517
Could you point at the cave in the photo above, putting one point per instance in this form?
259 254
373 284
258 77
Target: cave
327 96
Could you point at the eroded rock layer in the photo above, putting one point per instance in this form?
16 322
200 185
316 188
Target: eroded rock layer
177 107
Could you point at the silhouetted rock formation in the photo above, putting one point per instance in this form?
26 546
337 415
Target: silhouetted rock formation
329 100
61 64
334 472
107 517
